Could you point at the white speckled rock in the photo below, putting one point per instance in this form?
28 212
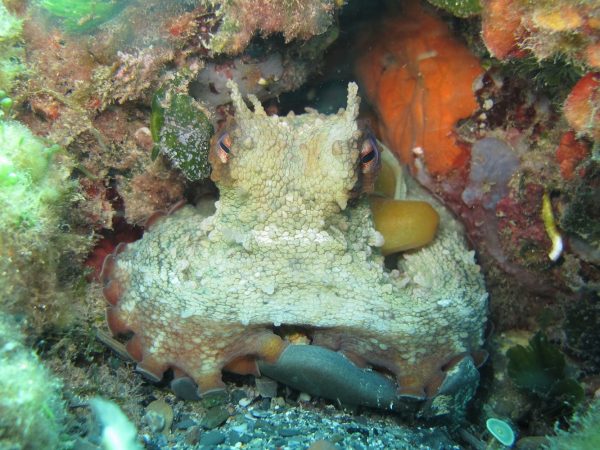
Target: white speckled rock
288 245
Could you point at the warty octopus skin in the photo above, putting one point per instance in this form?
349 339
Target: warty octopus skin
291 245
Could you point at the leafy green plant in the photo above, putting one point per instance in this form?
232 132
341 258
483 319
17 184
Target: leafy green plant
540 369
554 77
82 15
459 8
181 131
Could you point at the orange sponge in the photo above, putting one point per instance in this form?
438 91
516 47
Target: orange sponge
420 78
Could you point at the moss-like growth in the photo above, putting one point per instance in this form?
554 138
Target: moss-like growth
554 77
582 217
540 370
11 52
459 8
582 332
181 131
31 409
241 19
584 433
39 255
82 15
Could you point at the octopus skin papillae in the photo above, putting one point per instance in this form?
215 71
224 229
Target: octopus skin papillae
291 244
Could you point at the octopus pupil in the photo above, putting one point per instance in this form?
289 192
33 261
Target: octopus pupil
368 157
224 147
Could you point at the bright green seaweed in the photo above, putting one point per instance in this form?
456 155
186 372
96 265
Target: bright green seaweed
83 15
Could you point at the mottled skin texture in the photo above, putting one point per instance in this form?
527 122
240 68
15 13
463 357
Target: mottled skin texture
288 246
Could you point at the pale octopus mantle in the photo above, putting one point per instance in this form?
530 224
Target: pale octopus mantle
289 248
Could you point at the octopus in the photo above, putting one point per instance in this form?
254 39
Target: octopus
290 248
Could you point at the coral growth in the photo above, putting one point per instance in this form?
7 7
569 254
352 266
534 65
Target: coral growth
511 28
286 247
420 80
570 153
32 409
240 19
582 107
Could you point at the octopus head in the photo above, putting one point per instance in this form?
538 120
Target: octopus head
311 162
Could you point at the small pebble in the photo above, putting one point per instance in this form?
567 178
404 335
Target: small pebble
237 395
233 437
192 435
266 387
277 402
184 424
214 417
322 444
243 402
241 428
212 438
260 413
212 399
287 432
159 416
264 404
278 442
304 397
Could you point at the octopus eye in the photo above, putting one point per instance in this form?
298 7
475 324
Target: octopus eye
369 156
224 147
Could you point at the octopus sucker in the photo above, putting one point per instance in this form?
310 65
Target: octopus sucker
153 219
244 365
115 322
112 291
292 244
151 368
135 348
107 268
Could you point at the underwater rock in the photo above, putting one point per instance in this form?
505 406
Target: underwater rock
286 247
241 19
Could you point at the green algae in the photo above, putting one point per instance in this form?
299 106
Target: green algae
82 15
181 131
11 52
39 254
32 411
540 369
459 8
584 433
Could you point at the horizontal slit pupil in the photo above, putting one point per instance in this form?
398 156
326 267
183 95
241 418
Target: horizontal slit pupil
368 157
